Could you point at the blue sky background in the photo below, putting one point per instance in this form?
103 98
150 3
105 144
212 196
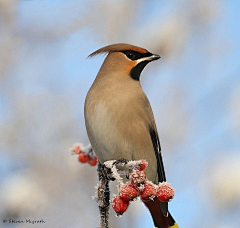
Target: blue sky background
194 90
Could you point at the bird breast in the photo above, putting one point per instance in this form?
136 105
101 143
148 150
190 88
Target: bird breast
116 120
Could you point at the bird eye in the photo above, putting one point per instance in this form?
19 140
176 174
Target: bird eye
130 55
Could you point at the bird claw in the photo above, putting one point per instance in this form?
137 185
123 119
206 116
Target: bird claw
121 161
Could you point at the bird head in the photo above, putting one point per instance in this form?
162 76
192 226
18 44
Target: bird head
125 58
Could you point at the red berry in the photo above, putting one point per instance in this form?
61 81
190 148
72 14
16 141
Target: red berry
148 193
119 205
92 161
165 192
138 179
142 165
128 192
82 157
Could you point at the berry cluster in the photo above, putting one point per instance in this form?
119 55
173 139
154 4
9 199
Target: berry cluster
85 154
140 186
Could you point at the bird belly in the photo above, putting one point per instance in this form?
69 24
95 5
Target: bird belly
104 135
116 135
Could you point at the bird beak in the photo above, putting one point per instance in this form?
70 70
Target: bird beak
154 57
150 58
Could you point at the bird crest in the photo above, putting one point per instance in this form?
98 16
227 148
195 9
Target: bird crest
118 48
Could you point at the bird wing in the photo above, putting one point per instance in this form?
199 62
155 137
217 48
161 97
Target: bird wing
157 150
158 154
160 167
155 141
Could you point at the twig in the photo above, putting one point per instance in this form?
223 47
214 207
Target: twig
103 194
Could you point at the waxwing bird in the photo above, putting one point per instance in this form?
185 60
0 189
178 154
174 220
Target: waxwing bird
119 118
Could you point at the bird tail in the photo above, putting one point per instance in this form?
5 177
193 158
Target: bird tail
160 221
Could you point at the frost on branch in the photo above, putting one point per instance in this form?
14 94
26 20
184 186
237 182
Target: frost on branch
138 186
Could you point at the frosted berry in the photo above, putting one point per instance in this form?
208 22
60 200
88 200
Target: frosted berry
165 192
148 193
138 179
92 161
82 157
142 165
76 150
128 192
119 205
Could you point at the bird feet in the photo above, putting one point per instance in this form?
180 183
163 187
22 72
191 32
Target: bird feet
121 161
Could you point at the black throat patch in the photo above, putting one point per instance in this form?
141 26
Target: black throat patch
137 70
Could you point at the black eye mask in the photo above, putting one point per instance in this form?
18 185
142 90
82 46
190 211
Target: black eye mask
133 55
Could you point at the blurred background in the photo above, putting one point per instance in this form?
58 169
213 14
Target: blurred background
194 90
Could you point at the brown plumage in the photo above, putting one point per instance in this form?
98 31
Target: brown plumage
119 119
